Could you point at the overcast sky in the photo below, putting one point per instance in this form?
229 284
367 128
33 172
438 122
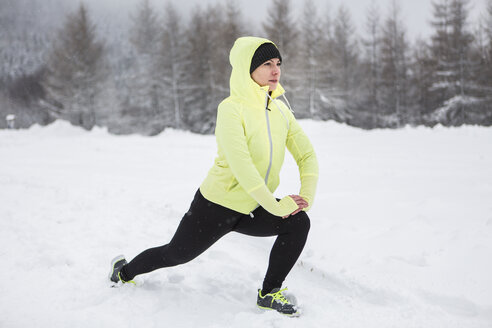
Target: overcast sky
415 13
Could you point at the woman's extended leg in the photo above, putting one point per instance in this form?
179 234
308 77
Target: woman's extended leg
203 224
291 237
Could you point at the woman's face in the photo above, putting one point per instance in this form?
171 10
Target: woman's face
268 73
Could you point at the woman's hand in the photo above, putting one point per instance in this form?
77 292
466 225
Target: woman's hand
301 203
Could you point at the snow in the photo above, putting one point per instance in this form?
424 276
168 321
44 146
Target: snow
401 231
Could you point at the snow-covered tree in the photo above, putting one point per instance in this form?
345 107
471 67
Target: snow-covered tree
480 56
451 49
461 40
25 28
481 110
233 26
207 41
420 83
280 27
488 53
76 72
307 72
158 71
228 28
145 101
339 68
394 74
330 104
172 65
145 31
344 52
201 89
372 63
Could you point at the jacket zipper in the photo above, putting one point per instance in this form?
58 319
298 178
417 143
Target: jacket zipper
270 139
271 149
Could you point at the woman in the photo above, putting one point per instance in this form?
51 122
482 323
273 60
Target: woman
252 130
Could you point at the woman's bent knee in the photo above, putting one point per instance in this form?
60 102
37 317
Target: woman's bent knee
300 222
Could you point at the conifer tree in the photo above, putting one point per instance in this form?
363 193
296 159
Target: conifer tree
421 83
201 95
344 48
461 40
146 91
372 66
233 24
307 71
77 71
484 72
171 64
280 27
394 59
451 50
145 33
229 26
479 56
488 54
329 101
25 32
338 83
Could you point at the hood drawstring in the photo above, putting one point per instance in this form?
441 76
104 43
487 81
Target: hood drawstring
287 101
281 111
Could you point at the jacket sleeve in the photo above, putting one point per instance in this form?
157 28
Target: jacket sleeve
229 132
302 150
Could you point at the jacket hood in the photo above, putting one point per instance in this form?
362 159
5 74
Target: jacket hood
241 83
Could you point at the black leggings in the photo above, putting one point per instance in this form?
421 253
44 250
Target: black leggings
206 222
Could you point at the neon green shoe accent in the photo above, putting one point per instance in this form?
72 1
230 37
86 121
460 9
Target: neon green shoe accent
126 282
279 296
275 300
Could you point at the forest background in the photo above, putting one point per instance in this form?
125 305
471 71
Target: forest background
156 68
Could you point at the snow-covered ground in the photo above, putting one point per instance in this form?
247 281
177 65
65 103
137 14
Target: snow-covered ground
401 231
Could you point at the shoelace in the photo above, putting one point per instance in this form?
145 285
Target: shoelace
279 296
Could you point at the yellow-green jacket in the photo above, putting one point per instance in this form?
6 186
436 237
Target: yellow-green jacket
251 142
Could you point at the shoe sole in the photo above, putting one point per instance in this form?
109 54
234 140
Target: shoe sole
293 315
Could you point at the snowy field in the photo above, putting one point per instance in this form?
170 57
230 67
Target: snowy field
401 231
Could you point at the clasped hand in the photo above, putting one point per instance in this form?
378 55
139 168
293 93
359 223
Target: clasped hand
301 203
